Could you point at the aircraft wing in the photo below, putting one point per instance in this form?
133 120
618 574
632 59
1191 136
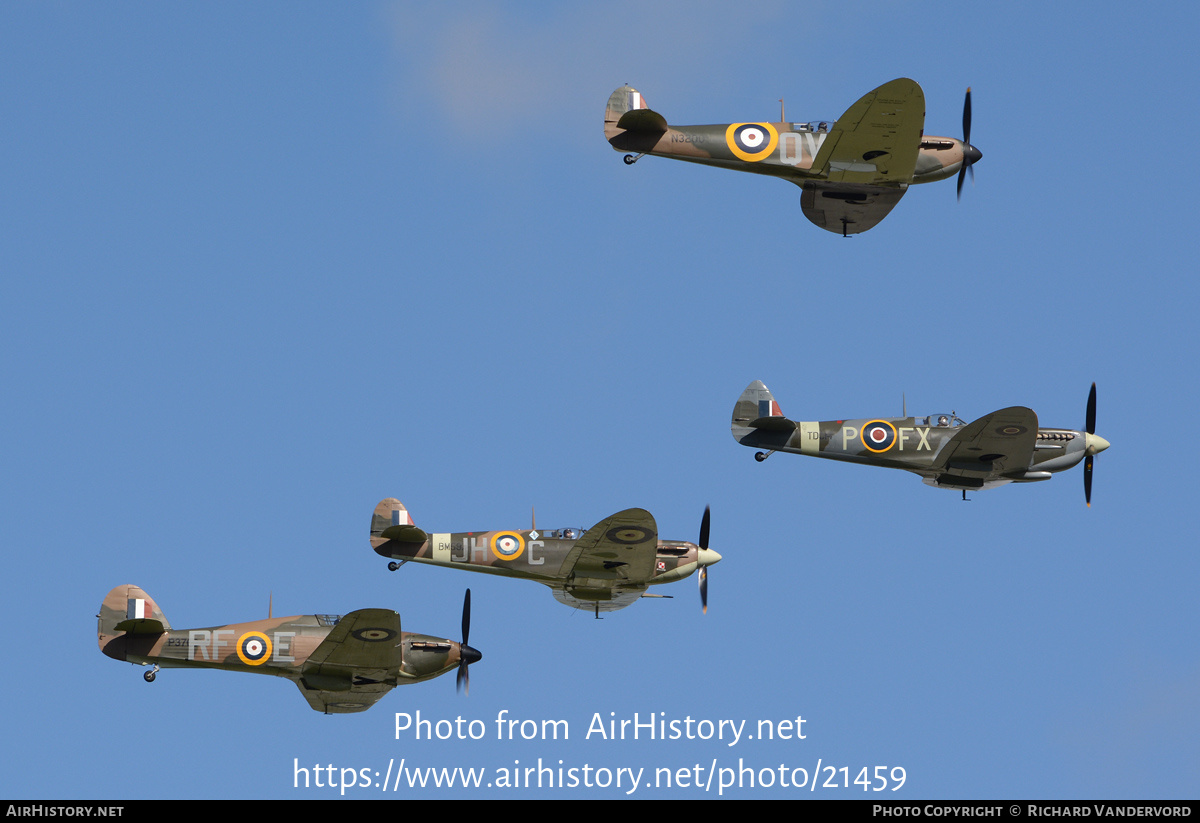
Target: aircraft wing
619 599
878 138
995 445
847 209
868 159
355 664
620 548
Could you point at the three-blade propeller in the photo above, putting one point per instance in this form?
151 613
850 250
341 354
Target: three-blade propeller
971 155
466 655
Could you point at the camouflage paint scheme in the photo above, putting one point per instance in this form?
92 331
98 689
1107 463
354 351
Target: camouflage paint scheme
341 664
604 568
1006 446
852 170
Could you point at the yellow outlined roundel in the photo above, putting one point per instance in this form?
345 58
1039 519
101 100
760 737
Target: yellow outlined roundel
254 648
507 545
751 141
876 438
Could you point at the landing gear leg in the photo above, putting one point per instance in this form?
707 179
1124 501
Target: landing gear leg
393 566
761 456
150 675
630 159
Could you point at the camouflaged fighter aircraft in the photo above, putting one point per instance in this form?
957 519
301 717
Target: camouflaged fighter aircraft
341 664
852 170
603 568
1006 446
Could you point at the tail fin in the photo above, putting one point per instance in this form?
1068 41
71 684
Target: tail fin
629 124
127 611
624 99
757 409
391 521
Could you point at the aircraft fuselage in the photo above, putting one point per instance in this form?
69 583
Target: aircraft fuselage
279 646
915 444
787 150
531 555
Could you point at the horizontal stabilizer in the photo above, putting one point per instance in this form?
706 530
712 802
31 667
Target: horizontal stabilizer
141 626
643 120
775 424
404 534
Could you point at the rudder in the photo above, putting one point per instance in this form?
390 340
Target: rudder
624 99
627 116
757 408
391 521
127 611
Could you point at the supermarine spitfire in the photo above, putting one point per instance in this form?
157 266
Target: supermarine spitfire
342 664
852 170
604 568
1006 446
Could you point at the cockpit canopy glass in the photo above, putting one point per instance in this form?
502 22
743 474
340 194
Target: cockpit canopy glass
816 125
565 534
941 421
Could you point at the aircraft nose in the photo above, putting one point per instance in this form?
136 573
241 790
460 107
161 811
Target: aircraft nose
707 557
1096 444
972 155
469 654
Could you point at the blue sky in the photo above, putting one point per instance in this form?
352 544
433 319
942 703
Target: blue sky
265 266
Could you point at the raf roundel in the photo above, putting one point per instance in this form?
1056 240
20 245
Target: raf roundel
879 436
254 648
373 634
751 141
507 545
628 535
